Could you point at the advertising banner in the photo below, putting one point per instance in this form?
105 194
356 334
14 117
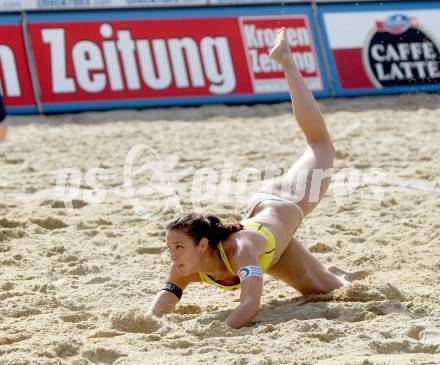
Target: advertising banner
15 80
383 48
267 75
168 57
20 5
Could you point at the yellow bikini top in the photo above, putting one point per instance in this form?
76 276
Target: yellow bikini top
265 259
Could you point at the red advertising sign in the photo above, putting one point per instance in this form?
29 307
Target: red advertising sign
15 80
150 58
192 59
258 36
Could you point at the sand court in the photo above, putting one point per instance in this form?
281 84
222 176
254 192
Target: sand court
74 282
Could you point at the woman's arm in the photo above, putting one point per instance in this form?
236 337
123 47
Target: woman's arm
251 278
251 290
2 131
166 300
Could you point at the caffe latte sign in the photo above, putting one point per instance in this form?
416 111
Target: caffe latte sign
399 52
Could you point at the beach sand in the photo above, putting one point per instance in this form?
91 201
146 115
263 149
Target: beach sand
74 283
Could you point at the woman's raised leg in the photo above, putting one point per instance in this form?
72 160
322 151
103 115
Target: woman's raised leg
305 182
308 179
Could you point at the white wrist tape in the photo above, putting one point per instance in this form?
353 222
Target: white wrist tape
249 271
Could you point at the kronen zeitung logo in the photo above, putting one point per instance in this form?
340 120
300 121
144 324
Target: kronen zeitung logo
399 52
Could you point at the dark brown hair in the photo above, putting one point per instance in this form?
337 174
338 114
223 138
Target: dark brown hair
198 226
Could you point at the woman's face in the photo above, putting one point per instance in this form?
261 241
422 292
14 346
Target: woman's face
183 252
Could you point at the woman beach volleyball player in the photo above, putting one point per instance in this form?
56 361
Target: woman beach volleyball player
232 256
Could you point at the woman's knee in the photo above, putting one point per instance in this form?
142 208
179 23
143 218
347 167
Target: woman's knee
324 149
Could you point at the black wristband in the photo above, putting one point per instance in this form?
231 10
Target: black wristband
173 289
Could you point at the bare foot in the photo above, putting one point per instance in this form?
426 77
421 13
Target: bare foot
280 47
349 276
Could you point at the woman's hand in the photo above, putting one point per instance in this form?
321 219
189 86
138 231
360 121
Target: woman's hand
243 314
163 303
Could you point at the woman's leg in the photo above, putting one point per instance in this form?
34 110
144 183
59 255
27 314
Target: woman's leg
308 179
298 268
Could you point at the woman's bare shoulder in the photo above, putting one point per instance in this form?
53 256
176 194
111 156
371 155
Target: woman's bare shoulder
247 246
